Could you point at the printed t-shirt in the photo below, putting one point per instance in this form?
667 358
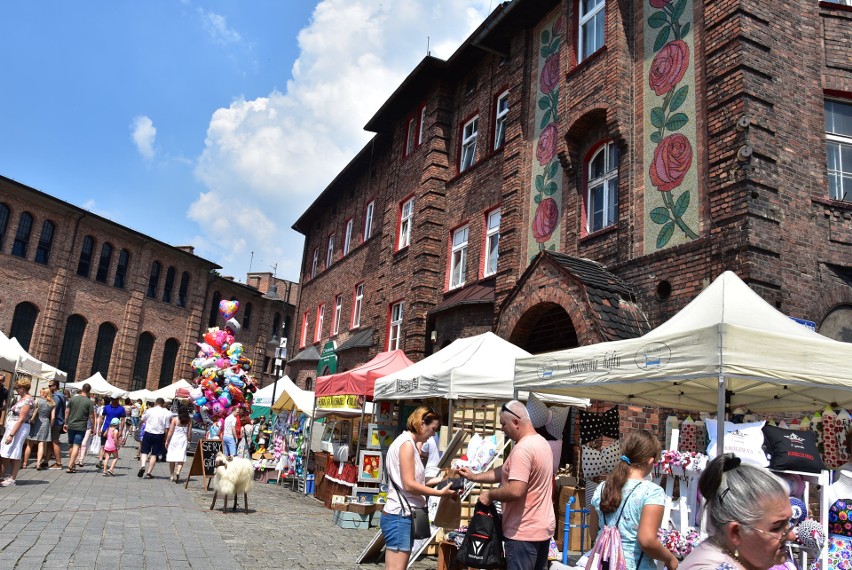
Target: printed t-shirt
79 410
531 519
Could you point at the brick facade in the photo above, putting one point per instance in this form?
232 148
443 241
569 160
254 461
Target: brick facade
762 73
58 292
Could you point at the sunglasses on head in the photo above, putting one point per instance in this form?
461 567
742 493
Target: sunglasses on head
506 409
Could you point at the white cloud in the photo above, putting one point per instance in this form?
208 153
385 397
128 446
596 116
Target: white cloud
143 132
216 26
267 159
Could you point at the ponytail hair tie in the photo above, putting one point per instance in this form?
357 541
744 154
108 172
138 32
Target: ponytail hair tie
731 464
625 459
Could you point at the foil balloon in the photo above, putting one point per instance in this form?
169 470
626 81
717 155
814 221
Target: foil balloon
233 326
228 308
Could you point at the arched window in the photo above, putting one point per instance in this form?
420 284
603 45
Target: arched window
103 264
183 289
602 188
309 383
287 321
169 286
75 326
22 237
154 280
4 222
84 266
247 316
45 242
143 360
167 372
214 309
276 325
23 323
121 269
103 349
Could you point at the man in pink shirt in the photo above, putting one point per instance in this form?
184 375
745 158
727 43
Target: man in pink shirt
526 487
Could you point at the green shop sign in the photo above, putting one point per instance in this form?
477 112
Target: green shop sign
328 359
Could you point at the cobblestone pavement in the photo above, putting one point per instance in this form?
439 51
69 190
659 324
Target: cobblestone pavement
52 519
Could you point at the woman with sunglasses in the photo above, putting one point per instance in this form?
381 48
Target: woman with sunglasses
408 487
17 430
748 518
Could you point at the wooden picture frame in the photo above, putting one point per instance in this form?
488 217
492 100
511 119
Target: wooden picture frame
380 436
383 413
370 466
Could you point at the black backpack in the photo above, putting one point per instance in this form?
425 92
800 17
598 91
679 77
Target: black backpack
483 543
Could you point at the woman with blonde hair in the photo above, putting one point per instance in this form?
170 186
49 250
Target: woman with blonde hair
17 429
408 488
43 414
635 505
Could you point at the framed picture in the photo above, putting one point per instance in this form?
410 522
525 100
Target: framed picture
383 412
379 436
370 466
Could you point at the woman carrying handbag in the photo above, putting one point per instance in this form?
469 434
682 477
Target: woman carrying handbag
408 489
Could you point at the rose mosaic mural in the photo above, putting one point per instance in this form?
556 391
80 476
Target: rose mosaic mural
671 182
546 198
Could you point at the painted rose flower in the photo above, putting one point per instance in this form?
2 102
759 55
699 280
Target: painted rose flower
660 3
545 220
550 74
672 159
668 67
546 149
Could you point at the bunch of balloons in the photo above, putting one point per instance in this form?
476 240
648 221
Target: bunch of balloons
222 380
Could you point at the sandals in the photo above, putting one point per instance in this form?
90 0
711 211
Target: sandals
149 476
71 470
111 472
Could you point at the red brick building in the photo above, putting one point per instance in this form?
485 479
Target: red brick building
86 294
575 174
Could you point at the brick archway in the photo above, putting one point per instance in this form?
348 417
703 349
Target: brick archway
544 328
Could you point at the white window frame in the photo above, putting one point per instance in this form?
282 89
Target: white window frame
406 219
842 190
338 308
347 237
458 256
368 219
357 305
329 252
492 241
588 20
410 136
470 131
320 322
500 114
608 182
315 263
395 326
303 340
420 125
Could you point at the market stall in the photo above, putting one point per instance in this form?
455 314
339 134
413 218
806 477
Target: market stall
170 392
727 348
99 385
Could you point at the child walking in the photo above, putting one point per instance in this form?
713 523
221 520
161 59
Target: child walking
111 447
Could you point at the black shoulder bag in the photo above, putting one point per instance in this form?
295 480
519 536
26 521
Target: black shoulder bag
419 516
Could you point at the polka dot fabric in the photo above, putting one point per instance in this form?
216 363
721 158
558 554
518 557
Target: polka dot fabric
594 425
831 430
844 422
688 440
600 462
537 411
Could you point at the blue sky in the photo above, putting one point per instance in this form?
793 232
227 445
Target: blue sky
210 123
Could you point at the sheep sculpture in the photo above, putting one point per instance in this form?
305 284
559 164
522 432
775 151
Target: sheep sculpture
232 476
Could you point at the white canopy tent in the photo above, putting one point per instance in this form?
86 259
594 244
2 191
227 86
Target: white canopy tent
263 397
292 397
9 354
144 394
13 357
99 385
726 346
480 366
169 392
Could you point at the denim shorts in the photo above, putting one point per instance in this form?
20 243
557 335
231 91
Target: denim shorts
229 446
397 532
75 437
525 555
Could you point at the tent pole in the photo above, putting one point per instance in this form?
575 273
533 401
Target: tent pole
360 428
720 415
310 441
450 421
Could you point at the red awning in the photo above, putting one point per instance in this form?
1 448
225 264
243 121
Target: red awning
359 380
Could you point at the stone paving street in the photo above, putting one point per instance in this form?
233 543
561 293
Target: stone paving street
52 519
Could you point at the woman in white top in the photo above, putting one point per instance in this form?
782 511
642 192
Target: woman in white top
407 474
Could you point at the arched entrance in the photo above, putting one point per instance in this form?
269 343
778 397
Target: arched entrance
543 328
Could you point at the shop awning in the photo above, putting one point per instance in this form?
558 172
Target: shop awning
361 339
357 380
309 354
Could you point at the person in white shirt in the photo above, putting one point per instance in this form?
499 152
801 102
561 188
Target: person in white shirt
229 434
156 421
432 456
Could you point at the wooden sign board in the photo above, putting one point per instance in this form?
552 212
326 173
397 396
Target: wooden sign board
202 461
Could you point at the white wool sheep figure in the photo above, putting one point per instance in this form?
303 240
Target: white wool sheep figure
232 476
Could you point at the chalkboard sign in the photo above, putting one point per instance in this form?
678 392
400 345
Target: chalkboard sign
202 462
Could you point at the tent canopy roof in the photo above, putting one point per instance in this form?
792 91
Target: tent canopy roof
480 366
99 385
360 380
727 336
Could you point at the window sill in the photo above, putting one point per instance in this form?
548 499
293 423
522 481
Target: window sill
835 6
836 204
599 233
597 54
